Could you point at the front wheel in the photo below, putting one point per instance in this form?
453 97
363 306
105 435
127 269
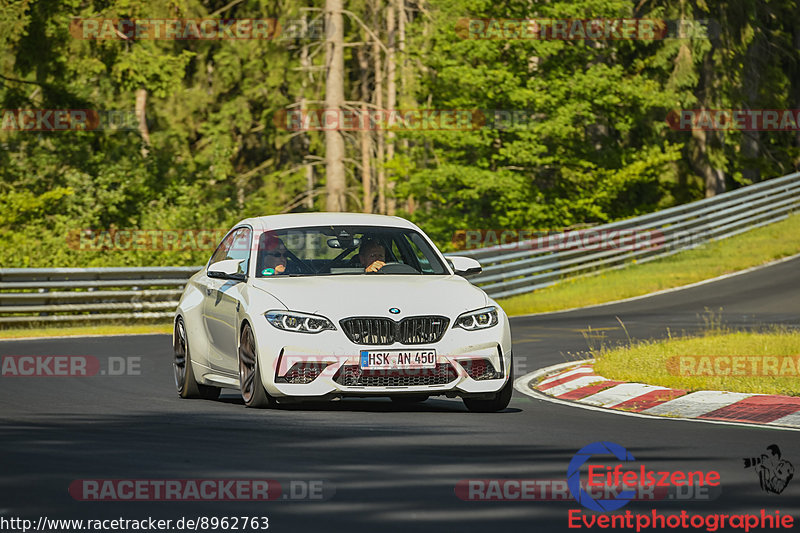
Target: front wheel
500 401
253 392
185 381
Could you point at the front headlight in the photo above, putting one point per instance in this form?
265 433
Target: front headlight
299 322
480 319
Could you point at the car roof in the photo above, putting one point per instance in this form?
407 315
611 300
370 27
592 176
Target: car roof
296 220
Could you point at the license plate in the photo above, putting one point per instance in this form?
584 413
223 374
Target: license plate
391 359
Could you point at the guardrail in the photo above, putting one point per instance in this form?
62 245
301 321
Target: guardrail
101 294
525 266
90 294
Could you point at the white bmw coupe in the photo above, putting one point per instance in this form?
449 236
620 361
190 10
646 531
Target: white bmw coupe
325 305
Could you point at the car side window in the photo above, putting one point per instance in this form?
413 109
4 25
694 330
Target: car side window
241 248
221 252
236 245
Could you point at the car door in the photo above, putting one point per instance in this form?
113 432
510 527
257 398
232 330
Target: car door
222 303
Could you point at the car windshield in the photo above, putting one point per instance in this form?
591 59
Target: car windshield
334 250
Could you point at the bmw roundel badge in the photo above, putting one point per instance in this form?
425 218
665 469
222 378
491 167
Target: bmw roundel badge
394 311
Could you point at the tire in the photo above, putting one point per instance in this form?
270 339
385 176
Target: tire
253 392
409 398
185 381
500 401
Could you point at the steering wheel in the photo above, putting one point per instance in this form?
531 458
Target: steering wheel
395 267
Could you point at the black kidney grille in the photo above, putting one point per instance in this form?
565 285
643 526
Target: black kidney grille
384 331
422 329
369 330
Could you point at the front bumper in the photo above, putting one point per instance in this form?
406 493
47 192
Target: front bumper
327 364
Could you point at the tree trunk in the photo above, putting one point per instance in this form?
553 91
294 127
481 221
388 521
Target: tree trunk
334 99
141 117
751 82
401 46
365 132
708 141
713 177
378 94
391 99
305 65
796 83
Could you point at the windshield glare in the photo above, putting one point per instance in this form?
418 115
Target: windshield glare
334 250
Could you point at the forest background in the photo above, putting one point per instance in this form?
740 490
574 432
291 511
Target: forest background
563 132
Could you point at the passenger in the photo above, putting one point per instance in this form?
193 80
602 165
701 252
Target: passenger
272 255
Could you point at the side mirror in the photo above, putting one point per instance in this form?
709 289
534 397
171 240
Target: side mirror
465 266
227 269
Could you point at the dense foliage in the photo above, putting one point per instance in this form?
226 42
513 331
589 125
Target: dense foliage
595 144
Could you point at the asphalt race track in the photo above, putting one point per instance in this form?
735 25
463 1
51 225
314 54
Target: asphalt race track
383 467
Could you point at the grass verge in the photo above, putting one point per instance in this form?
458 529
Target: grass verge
749 249
105 329
767 362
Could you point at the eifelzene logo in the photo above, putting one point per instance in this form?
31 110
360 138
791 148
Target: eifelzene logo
604 475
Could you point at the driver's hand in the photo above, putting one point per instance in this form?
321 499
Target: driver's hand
375 266
280 269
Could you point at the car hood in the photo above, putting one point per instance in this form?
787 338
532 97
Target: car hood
341 296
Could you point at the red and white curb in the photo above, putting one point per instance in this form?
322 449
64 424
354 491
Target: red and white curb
576 384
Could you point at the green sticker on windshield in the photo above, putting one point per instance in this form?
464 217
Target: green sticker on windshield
268 272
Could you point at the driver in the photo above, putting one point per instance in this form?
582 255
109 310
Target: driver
372 255
273 255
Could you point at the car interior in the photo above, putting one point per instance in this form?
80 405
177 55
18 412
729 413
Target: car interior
400 257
